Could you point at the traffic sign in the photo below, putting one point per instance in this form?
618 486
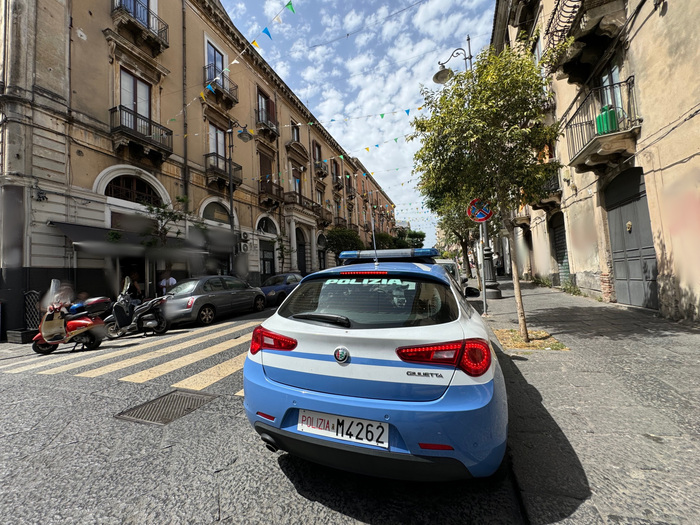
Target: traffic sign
479 211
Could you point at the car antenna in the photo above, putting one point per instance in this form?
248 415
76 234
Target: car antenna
374 242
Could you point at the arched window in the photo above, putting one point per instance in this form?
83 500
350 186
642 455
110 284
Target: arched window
216 212
133 189
266 225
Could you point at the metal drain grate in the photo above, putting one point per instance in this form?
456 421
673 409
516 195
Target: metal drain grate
166 408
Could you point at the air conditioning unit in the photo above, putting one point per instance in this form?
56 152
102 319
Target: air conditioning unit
245 247
244 236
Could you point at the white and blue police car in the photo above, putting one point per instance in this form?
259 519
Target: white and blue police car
380 366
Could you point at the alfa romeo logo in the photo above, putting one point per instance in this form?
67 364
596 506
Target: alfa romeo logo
341 354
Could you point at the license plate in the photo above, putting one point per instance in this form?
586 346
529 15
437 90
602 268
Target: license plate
345 428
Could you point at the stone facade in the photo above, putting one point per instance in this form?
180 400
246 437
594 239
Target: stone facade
629 191
108 106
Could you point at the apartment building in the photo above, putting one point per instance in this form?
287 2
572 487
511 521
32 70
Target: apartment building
621 220
109 107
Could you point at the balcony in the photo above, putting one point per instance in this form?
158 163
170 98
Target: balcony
340 222
593 24
270 194
367 227
145 136
350 192
337 183
320 169
225 90
354 227
365 196
521 216
324 217
553 195
604 127
268 125
217 170
144 24
292 197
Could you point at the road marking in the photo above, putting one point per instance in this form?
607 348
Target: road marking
239 393
213 374
175 364
119 365
103 357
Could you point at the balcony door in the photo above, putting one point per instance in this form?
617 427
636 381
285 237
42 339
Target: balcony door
215 64
217 146
135 96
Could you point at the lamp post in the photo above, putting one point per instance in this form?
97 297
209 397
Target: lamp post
491 290
245 136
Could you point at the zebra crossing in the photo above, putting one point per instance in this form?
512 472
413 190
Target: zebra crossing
166 354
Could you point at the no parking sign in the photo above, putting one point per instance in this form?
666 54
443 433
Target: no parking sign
479 211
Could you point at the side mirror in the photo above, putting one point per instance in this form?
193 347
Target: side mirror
470 291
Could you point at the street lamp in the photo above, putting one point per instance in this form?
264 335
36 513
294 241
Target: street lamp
445 74
245 136
491 290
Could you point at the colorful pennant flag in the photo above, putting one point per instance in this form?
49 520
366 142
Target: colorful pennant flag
255 43
211 89
267 32
201 94
290 7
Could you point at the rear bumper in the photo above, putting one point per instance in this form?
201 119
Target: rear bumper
473 420
364 461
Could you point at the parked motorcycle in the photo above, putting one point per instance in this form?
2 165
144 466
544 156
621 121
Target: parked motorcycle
128 318
64 322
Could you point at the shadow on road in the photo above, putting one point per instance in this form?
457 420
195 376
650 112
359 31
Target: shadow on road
542 480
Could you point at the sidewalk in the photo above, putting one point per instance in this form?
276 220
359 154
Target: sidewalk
608 432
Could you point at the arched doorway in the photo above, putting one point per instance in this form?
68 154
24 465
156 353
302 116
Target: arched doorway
301 251
561 253
321 244
266 227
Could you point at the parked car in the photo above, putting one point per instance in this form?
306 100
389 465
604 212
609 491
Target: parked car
277 287
202 299
453 269
381 369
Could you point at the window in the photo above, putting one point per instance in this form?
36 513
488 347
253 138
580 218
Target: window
317 151
135 96
217 141
267 226
216 212
319 196
295 131
215 63
133 189
334 169
231 283
213 285
266 109
266 174
296 178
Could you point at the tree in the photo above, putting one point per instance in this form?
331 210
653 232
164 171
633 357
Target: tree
415 239
341 239
482 137
455 222
384 241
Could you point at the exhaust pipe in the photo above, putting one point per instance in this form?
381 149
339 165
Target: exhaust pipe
269 442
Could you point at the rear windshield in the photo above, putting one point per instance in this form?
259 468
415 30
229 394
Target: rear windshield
184 287
374 302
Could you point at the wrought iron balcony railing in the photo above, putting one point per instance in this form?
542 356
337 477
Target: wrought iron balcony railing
139 12
141 128
603 111
217 78
217 166
266 118
321 169
560 22
341 222
270 192
292 197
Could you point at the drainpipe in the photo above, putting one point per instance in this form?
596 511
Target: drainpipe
185 168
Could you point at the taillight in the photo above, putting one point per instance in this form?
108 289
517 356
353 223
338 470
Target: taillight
473 356
263 338
190 302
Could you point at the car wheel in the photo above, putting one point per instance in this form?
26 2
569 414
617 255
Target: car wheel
206 314
259 304
280 299
112 330
43 348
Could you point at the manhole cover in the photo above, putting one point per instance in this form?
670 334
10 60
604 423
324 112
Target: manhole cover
166 408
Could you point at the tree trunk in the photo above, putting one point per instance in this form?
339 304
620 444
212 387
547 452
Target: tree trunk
516 285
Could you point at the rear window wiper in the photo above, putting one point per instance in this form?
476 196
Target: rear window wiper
328 318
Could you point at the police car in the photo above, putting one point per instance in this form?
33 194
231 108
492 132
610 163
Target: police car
379 366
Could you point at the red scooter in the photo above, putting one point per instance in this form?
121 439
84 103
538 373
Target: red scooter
66 323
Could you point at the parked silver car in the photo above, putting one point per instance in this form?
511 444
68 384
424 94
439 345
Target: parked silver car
202 299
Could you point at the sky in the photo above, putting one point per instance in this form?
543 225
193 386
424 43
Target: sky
359 66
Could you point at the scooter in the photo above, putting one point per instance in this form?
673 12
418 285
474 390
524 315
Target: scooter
128 318
66 323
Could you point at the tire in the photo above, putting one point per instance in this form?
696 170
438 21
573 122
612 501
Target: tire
163 326
43 348
206 315
111 330
93 342
259 303
280 299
